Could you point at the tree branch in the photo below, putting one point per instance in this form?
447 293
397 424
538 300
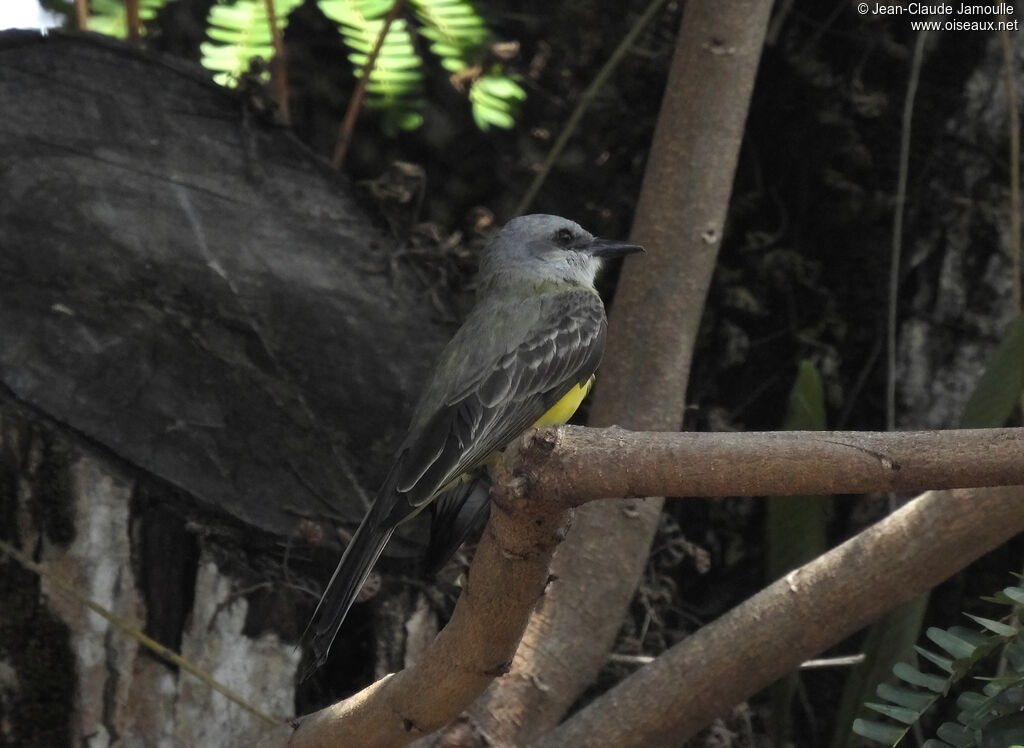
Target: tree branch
680 219
808 610
573 465
905 553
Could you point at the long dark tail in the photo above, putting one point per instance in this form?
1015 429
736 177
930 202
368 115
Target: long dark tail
355 565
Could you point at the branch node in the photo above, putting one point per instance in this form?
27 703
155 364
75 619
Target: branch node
539 684
547 583
543 441
518 487
499 670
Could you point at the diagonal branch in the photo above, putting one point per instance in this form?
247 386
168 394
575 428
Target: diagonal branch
805 612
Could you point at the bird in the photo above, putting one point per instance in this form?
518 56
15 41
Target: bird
524 357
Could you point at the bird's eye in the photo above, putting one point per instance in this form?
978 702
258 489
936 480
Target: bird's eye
564 238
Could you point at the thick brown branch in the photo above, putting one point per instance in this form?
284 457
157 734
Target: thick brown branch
508 576
573 465
659 298
904 554
803 613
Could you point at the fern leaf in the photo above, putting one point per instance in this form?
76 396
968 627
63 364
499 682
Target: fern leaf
943 663
956 735
998 391
906 697
110 17
915 677
395 87
983 718
1002 629
954 645
494 99
1016 594
878 731
240 32
898 713
455 30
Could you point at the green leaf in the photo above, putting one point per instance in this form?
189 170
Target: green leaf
494 98
915 677
889 640
501 87
906 697
999 389
110 17
952 644
1004 731
898 713
240 33
486 117
940 662
455 30
878 731
970 701
957 735
971 636
996 627
1015 593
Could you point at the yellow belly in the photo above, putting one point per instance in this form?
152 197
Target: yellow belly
562 411
556 415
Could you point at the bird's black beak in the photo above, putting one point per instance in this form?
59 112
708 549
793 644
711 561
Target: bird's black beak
608 248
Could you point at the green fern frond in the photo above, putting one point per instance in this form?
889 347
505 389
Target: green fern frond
110 17
455 30
495 99
983 717
396 81
240 33
457 36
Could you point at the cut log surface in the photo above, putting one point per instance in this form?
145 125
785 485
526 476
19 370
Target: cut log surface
186 287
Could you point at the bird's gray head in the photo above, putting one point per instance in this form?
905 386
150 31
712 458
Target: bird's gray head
542 248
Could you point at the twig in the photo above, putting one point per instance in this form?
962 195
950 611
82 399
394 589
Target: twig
279 66
1014 115
584 103
348 124
897 229
825 662
82 14
626 659
131 8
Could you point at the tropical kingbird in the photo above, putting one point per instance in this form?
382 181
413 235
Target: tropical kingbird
525 356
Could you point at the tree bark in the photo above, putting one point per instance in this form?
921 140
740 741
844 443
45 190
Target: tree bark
211 317
161 248
808 610
549 471
642 384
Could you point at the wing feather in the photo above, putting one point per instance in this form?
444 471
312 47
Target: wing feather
483 398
